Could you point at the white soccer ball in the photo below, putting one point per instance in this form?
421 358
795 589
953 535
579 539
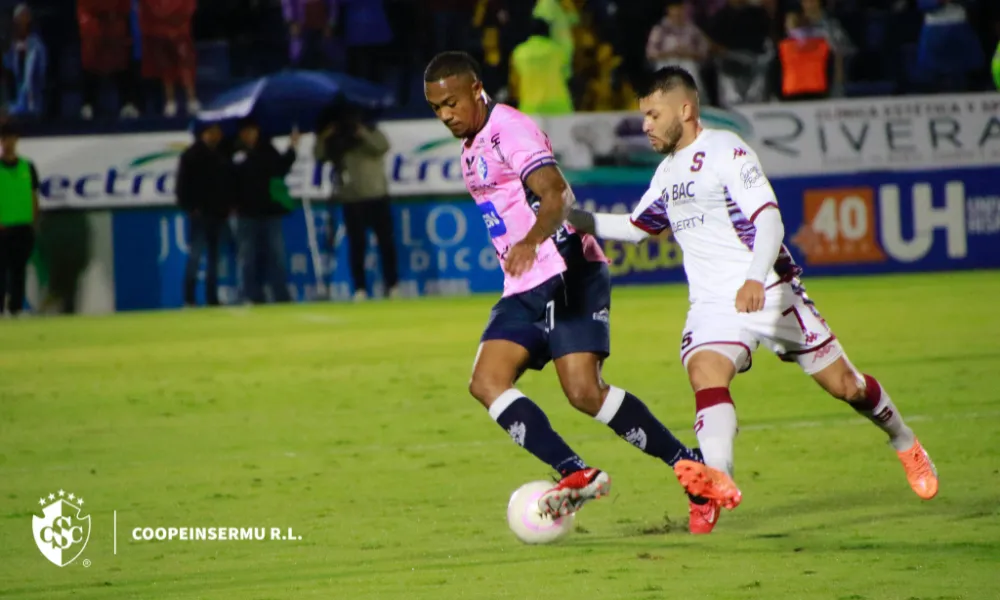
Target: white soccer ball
527 521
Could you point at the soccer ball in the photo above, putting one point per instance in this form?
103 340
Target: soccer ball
527 521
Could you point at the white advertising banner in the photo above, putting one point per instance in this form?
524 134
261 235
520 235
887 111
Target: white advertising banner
912 133
133 170
792 139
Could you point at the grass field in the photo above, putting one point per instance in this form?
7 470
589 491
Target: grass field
351 424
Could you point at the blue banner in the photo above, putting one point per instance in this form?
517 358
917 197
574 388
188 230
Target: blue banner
867 223
846 224
442 247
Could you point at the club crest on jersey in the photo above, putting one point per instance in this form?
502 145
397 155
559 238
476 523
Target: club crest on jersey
481 167
751 175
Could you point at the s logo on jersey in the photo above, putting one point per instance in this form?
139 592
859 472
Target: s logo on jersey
494 223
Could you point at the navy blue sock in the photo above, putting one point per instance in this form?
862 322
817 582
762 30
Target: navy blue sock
529 428
632 421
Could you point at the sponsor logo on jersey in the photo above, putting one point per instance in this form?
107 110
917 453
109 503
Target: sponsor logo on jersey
682 193
738 152
691 223
494 223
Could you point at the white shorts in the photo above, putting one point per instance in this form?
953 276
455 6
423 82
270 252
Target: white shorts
789 325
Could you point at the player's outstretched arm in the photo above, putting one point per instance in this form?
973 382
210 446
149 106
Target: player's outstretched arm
618 228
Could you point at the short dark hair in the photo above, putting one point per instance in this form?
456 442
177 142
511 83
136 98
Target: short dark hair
666 79
451 63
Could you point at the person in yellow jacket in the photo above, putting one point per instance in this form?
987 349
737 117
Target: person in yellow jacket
539 74
18 219
561 15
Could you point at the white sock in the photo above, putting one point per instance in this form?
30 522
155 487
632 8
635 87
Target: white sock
716 427
878 408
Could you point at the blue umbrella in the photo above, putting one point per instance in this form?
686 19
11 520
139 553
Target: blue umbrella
292 98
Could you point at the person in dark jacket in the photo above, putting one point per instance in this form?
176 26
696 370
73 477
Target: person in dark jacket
257 164
357 150
202 192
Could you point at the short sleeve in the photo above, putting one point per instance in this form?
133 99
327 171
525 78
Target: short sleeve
523 147
739 170
651 213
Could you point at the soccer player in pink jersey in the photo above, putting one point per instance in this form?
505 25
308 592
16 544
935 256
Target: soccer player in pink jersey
556 300
711 192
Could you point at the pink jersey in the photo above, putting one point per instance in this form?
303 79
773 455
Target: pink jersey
497 163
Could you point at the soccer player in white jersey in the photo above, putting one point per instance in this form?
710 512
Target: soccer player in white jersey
711 191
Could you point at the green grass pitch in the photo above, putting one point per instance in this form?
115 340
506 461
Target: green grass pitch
351 424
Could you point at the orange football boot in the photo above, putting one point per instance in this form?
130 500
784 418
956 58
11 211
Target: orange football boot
702 480
920 471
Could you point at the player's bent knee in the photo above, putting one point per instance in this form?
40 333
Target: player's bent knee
585 397
850 389
486 389
708 369
841 382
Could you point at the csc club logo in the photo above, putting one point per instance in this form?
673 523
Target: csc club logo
61 533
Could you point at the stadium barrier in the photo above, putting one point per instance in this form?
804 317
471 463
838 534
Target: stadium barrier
890 185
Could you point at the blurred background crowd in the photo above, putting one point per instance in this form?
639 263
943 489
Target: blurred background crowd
156 59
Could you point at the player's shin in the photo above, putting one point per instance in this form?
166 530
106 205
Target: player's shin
716 427
528 426
628 417
878 408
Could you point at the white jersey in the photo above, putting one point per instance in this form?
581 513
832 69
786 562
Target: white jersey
709 194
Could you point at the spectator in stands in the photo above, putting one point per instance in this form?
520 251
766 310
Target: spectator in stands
202 192
367 36
27 61
105 51
18 219
805 60
840 44
561 16
357 150
740 33
168 53
676 40
492 20
949 50
539 72
310 31
257 166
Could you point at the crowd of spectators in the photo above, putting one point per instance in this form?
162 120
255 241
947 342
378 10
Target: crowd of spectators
161 58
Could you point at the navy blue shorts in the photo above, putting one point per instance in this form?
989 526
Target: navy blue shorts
567 314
